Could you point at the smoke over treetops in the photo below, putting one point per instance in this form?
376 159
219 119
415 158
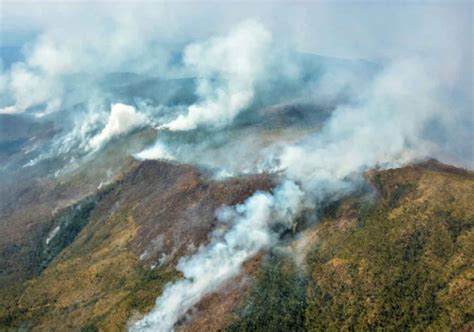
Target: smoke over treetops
248 94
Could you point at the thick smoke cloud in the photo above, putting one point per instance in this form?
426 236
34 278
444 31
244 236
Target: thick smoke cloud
253 227
385 130
73 50
416 103
70 47
123 119
385 126
229 68
158 151
28 89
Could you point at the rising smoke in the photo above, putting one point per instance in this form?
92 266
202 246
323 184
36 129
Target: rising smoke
400 102
229 67
123 118
325 165
253 227
414 101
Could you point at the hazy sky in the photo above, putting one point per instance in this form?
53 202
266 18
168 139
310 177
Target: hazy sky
346 29
63 39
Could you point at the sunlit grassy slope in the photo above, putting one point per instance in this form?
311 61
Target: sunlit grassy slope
115 250
403 262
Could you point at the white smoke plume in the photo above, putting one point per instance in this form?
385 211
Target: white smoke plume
385 130
252 228
157 151
29 88
67 59
229 68
424 48
122 119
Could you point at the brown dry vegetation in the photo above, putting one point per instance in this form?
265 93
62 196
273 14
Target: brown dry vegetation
158 211
403 261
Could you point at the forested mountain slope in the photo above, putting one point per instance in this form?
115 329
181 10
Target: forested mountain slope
397 258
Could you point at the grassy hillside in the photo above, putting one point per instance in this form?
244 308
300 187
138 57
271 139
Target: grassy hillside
403 262
114 251
400 261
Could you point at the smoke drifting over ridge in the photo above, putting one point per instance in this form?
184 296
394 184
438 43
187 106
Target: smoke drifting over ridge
384 126
252 229
122 119
66 63
402 101
229 67
323 166
410 100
